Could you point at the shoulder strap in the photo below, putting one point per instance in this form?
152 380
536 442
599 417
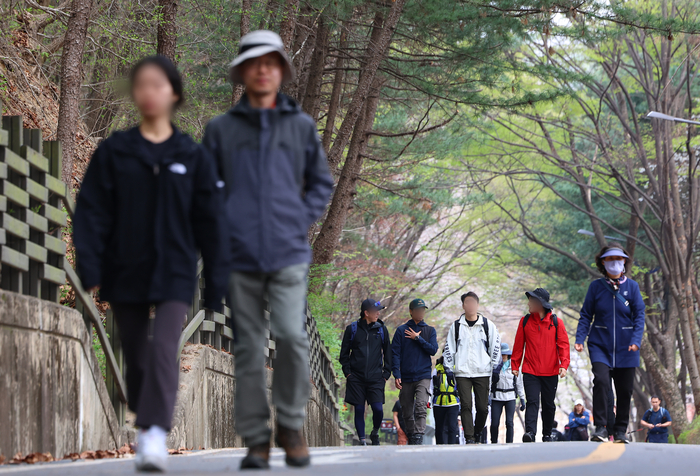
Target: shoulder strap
457 333
353 330
555 321
486 331
381 333
525 319
619 297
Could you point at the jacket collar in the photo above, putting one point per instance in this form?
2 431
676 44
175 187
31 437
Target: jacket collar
411 322
283 104
134 145
479 319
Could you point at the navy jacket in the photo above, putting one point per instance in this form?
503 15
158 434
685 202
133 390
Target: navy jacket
611 327
277 182
367 356
411 358
140 220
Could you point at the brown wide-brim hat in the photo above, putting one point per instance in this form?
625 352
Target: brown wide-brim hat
256 44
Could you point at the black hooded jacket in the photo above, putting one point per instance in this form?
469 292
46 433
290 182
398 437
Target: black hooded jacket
366 356
140 219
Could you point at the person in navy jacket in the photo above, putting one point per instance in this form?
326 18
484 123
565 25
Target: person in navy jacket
612 317
413 345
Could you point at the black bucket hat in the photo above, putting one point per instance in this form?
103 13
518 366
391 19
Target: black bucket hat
542 295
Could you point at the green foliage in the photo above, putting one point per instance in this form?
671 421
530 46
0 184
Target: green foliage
99 353
692 435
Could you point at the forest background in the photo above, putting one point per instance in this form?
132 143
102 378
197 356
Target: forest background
488 146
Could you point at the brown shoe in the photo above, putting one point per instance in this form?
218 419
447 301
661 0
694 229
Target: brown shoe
258 457
294 445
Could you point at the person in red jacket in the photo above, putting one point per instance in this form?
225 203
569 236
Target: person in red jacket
547 357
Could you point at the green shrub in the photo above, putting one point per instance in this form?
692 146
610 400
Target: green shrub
691 436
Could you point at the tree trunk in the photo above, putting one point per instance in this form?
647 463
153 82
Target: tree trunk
332 228
167 28
71 77
336 92
376 52
312 96
246 6
289 23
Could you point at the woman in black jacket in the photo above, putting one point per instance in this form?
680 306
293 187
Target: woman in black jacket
150 198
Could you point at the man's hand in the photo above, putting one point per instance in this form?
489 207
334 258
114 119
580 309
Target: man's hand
397 383
578 347
515 372
633 348
411 334
562 372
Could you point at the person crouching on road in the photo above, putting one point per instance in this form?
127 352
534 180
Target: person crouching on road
505 390
656 420
579 419
150 198
612 318
546 358
445 405
413 345
277 185
473 352
365 356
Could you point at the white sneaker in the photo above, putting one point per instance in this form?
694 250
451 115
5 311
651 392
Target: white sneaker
151 451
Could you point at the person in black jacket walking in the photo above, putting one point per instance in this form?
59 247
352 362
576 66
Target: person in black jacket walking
150 198
277 186
366 359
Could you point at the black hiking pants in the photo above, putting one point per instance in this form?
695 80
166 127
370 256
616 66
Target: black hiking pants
602 393
536 388
152 367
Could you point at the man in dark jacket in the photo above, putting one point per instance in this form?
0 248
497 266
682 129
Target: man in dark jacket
276 185
366 360
413 345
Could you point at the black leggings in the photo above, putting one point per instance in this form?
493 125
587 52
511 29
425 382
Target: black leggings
446 425
496 408
603 377
377 416
151 363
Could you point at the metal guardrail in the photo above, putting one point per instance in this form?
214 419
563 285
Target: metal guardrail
33 262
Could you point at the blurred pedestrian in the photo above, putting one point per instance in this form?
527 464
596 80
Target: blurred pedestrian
657 421
503 398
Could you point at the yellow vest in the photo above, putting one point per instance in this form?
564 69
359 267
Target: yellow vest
444 391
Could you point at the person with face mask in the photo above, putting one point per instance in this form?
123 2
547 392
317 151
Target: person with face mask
612 318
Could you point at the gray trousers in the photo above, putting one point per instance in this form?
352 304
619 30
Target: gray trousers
414 398
286 291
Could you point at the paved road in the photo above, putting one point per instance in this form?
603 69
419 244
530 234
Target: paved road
545 459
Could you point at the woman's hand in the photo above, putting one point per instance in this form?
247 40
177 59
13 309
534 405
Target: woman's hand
633 348
578 347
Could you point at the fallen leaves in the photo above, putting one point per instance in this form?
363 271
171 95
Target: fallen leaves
180 451
186 368
32 458
101 454
2 459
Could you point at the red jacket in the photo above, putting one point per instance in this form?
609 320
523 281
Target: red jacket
546 353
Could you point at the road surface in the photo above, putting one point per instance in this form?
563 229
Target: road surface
545 459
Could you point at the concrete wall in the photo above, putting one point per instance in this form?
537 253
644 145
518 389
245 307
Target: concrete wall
204 411
52 395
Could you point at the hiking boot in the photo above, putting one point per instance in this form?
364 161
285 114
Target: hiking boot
470 441
374 437
547 439
529 437
621 437
411 439
258 457
600 434
363 442
419 439
294 446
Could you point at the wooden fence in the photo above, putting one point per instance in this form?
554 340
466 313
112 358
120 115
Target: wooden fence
34 207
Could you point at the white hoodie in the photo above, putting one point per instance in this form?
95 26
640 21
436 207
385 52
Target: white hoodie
472 359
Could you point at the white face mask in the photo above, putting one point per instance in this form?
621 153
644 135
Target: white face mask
614 267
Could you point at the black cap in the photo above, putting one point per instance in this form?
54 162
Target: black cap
369 304
417 303
542 295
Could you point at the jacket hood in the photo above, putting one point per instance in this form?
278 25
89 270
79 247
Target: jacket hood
283 104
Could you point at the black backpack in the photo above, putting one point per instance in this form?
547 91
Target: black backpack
486 331
555 322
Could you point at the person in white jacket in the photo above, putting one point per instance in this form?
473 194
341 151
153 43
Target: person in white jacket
503 395
472 352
